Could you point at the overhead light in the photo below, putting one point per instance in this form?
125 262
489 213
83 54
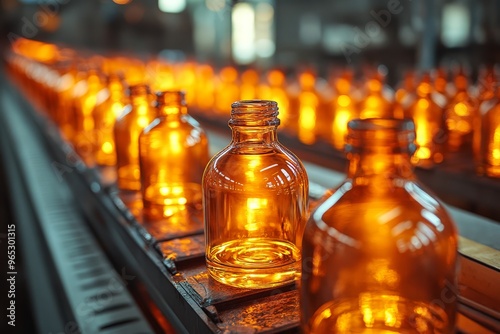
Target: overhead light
172 6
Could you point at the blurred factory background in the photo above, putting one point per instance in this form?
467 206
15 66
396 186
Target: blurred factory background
396 33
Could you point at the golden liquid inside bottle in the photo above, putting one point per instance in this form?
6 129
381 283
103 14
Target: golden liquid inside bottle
253 206
257 262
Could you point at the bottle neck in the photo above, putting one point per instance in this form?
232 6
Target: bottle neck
254 122
368 165
171 104
254 135
380 148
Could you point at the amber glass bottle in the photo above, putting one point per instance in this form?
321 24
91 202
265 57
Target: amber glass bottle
459 114
135 117
344 109
226 89
255 200
109 106
488 152
380 253
308 108
85 99
429 123
173 152
375 104
486 97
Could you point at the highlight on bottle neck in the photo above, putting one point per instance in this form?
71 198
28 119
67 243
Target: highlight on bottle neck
383 135
171 101
254 113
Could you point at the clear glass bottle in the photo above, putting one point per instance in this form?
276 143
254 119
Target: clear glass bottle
173 153
109 106
255 200
380 253
135 117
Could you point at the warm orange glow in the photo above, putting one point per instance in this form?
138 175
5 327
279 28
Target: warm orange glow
308 103
343 108
85 95
374 104
160 76
185 80
249 85
379 242
460 114
173 155
122 2
227 89
428 118
488 153
308 108
276 77
65 102
136 116
275 90
342 117
255 204
205 88
105 113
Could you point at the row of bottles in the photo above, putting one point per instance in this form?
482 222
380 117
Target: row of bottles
377 254
451 112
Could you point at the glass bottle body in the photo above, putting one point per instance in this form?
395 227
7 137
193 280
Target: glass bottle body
309 102
255 205
85 98
379 254
135 117
173 154
428 117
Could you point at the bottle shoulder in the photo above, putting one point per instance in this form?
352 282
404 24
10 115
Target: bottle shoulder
360 212
271 168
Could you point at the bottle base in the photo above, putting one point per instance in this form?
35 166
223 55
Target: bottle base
379 313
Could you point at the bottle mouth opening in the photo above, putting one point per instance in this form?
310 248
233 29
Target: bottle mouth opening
387 134
254 113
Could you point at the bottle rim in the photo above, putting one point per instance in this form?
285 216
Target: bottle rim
171 98
397 135
254 113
